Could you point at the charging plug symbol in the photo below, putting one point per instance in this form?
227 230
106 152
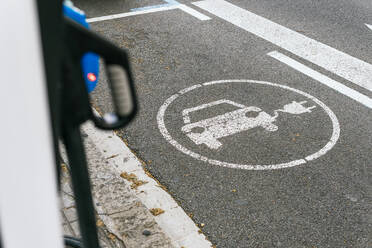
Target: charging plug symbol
296 108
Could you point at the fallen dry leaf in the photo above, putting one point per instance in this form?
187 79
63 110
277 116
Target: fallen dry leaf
64 167
137 183
127 176
156 211
112 236
99 223
133 179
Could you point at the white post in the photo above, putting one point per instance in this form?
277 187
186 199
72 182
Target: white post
29 209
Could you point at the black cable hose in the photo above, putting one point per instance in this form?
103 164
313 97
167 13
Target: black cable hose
81 185
72 242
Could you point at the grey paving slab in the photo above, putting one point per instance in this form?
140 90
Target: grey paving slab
121 217
70 220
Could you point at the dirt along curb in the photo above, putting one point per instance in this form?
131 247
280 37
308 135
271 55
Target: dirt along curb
132 208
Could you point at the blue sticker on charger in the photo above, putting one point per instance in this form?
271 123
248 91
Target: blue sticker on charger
90 61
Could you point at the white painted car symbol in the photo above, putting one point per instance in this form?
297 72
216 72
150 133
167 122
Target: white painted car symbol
208 131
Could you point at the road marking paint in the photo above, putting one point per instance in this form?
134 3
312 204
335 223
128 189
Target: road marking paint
368 26
189 89
169 3
193 12
153 9
209 131
340 63
330 144
176 224
134 13
186 112
353 94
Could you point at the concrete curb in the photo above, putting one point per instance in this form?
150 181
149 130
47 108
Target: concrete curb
124 195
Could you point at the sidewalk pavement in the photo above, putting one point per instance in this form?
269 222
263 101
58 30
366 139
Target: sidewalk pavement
122 219
69 217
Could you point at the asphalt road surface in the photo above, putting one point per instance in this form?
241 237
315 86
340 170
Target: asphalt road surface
256 115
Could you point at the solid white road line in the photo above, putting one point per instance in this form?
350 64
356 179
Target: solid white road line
369 26
182 7
193 12
134 13
340 63
365 100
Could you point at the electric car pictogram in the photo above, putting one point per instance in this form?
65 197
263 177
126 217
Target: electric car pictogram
208 131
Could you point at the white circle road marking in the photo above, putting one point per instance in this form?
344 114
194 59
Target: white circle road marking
321 152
